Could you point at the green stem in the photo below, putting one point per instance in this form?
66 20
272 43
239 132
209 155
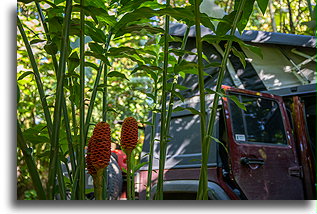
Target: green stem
203 190
159 190
82 138
75 185
98 184
172 96
104 94
129 188
132 175
65 114
105 184
94 91
201 84
61 183
150 165
27 155
37 76
58 102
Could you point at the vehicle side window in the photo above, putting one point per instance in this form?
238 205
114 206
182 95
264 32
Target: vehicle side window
262 121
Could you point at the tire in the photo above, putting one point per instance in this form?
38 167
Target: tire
114 179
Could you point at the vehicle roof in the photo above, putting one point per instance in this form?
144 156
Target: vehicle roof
177 29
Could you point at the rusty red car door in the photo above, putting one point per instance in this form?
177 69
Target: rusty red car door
262 152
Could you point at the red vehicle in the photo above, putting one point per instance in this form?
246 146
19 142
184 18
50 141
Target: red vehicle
269 150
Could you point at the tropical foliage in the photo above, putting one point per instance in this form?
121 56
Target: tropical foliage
85 61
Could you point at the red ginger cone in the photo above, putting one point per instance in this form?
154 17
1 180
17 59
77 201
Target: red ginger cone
129 134
99 148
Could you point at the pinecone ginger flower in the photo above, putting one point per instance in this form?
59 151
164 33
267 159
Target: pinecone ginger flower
99 148
129 134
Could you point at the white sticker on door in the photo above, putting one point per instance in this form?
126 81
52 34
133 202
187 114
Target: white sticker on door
240 137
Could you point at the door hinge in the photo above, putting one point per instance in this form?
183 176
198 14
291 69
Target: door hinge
296 171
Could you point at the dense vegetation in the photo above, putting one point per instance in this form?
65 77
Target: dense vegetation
85 61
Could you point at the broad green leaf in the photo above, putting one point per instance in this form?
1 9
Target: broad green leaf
237 101
35 41
184 65
131 5
117 74
111 110
73 62
192 110
210 91
179 95
120 51
98 56
51 48
150 95
224 26
92 65
216 39
25 74
146 68
247 11
213 64
139 29
58 1
240 55
137 167
262 5
95 47
218 141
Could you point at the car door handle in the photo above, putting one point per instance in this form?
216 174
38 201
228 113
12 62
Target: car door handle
251 161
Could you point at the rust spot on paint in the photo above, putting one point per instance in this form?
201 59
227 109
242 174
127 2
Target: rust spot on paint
263 154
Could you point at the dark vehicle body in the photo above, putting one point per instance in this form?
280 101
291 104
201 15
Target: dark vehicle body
267 151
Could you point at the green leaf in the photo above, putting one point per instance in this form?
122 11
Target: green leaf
150 95
237 101
180 87
218 141
247 11
98 56
210 91
111 110
185 65
56 2
147 68
25 74
139 30
35 41
95 47
179 95
51 48
92 65
137 167
117 74
216 39
73 62
18 94
192 110
240 55
262 5
226 24
213 64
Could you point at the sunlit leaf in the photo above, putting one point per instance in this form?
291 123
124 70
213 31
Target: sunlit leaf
25 74
262 5
240 55
117 74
